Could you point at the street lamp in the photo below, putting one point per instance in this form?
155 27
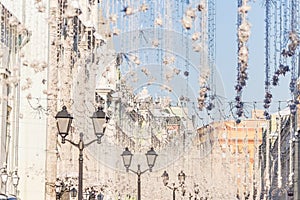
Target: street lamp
64 121
13 175
151 158
85 195
4 176
196 192
73 192
90 193
61 188
181 179
15 178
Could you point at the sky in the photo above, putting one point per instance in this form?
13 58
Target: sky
226 55
226 51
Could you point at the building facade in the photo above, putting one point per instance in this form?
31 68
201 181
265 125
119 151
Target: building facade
61 53
13 37
278 158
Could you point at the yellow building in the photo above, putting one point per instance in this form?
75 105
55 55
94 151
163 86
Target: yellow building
239 144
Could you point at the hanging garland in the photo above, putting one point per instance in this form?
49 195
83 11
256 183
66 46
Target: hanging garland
292 47
268 95
279 38
243 37
289 43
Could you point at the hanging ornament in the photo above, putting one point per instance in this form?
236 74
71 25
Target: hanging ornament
187 22
196 36
294 42
201 7
282 70
144 7
128 10
158 21
40 6
155 43
190 13
116 31
113 18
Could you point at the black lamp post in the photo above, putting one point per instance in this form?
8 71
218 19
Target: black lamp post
181 179
64 121
151 158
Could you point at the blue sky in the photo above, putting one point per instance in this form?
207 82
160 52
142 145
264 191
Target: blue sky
226 54
226 48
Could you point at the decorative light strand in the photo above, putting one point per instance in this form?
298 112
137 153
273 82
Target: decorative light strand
268 95
243 37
